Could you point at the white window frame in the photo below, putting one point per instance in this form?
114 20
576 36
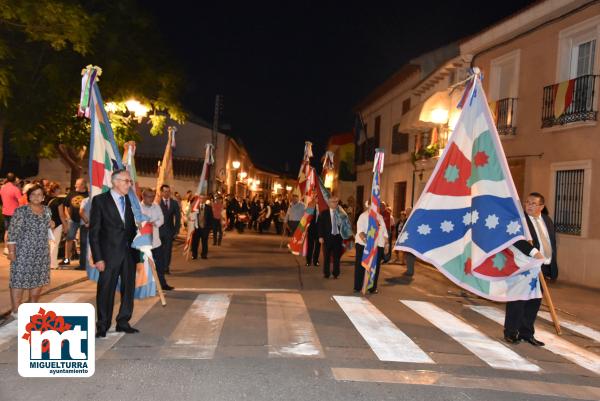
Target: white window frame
495 68
571 37
586 166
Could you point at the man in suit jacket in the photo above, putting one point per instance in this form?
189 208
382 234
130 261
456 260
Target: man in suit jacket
169 230
203 225
313 247
330 237
112 229
520 315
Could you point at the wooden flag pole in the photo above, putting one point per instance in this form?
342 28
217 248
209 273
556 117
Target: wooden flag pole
365 282
548 298
157 282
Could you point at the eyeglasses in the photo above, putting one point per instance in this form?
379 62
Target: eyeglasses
126 180
533 204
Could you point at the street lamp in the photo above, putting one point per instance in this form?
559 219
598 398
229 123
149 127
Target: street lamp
235 164
243 175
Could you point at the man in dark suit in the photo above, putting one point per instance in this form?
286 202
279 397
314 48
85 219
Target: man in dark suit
313 247
169 230
520 315
203 224
112 229
329 226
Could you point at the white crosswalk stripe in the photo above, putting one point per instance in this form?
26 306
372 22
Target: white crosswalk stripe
386 340
290 330
490 351
574 326
554 343
197 334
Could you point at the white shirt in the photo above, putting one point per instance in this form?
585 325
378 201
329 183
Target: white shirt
116 197
362 226
540 220
332 215
154 212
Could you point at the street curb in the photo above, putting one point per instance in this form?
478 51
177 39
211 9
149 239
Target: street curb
5 313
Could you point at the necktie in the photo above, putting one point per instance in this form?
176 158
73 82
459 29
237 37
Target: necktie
334 224
544 241
122 204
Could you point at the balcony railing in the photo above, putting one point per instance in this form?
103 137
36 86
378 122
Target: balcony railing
504 111
570 101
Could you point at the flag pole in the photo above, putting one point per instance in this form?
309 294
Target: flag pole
161 294
548 299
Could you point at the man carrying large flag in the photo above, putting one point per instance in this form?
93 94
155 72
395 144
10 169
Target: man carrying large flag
468 222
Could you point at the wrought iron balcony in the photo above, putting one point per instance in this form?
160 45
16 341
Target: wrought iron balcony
570 101
504 111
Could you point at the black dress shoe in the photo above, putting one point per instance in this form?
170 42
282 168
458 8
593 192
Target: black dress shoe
127 329
204 257
307 264
375 291
167 288
100 334
512 339
194 257
335 277
326 276
533 341
317 264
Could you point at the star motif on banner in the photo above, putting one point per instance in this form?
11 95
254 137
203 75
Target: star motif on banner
481 158
451 174
447 226
372 232
467 219
403 237
499 261
491 221
474 216
533 283
513 228
423 229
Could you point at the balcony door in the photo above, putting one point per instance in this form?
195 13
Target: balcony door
583 55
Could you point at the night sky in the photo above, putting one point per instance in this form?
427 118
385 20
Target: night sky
293 71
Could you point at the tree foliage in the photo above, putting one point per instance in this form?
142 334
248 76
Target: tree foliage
44 45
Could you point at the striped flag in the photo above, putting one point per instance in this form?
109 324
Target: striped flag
370 254
563 96
165 169
469 214
105 158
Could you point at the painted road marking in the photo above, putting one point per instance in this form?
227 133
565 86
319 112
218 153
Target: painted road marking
574 326
197 334
290 330
490 351
554 343
386 340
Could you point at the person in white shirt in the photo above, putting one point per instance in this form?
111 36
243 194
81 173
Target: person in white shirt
155 214
362 227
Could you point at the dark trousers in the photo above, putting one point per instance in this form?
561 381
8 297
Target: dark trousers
167 250
359 270
200 234
332 249
313 249
278 226
83 244
410 263
292 225
520 317
105 293
217 230
264 226
157 254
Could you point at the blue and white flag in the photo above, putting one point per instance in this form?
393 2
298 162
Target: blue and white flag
469 214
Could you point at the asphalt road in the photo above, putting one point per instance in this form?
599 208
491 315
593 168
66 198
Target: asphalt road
253 323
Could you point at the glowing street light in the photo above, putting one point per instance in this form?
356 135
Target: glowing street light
243 175
439 116
135 107
236 164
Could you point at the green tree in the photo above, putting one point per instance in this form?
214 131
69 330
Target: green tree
44 70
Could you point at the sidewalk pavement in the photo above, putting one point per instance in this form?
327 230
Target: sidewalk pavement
59 279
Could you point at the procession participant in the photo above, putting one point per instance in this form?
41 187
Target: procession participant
276 213
254 212
28 249
172 223
520 315
154 213
232 211
71 210
293 215
54 203
329 226
313 246
362 227
203 225
217 227
112 230
264 217
10 195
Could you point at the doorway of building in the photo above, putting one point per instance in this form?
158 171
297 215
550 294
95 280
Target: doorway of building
399 198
